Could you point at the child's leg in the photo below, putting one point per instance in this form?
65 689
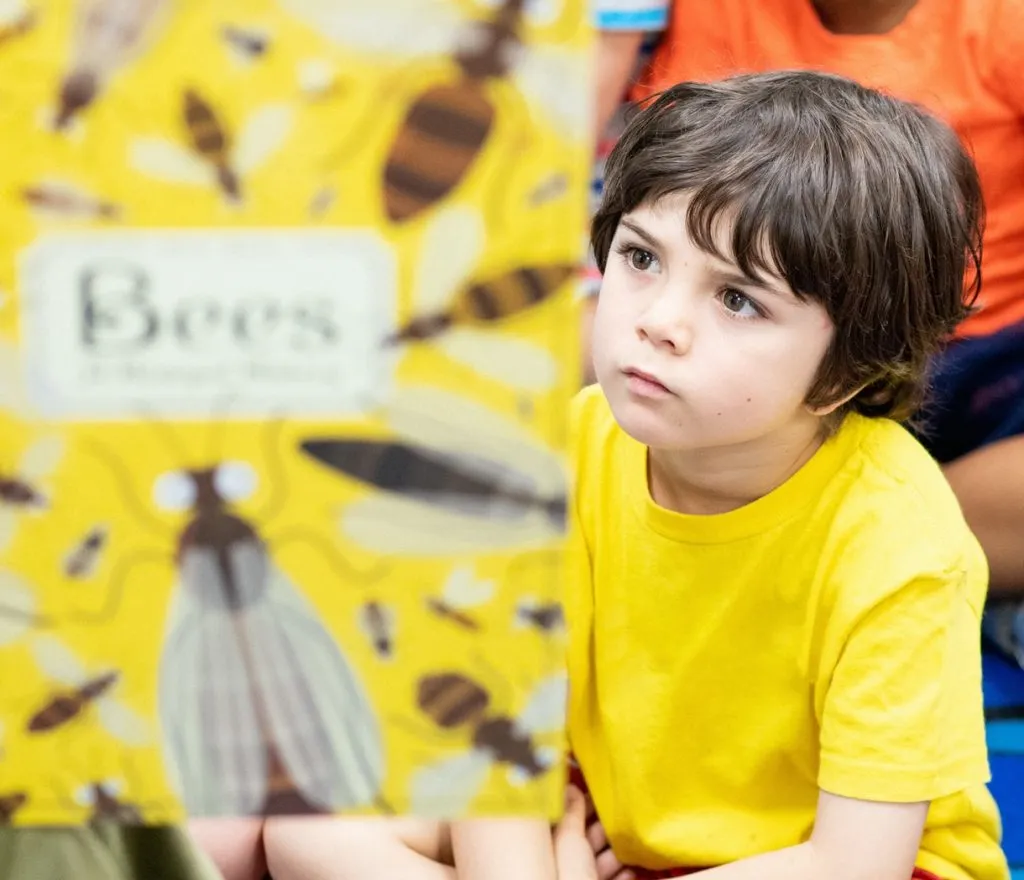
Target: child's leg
319 848
234 845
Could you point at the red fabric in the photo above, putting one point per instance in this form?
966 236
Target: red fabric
576 778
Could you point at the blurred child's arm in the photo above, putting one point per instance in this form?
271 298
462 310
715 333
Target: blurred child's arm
852 840
503 849
622 26
617 52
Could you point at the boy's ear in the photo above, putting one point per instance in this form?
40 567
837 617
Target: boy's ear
829 408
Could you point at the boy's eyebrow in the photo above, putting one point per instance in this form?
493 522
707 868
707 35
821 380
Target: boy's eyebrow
640 232
733 275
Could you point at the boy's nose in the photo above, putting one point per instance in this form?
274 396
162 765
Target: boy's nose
667 329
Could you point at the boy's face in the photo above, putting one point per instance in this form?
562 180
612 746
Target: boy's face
690 354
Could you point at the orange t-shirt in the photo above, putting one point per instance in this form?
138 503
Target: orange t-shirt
962 59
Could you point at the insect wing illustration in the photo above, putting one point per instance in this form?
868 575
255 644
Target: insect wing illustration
457 478
455 316
462 592
211 158
107 35
16 19
453 701
261 712
81 690
19 491
406 28
17 607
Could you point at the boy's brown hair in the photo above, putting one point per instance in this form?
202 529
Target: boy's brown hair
862 202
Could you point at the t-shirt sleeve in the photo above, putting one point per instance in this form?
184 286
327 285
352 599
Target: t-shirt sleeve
900 708
631 15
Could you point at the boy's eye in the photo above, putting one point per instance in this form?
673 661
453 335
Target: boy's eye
640 259
740 304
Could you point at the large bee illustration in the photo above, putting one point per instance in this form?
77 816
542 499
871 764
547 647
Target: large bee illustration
261 712
108 34
455 478
78 692
447 125
455 316
455 702
213 157
462 592
20 490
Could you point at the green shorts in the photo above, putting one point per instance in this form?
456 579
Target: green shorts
102 851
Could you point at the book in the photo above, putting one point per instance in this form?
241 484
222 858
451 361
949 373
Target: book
287 338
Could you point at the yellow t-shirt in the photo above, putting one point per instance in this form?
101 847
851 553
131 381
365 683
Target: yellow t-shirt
724 668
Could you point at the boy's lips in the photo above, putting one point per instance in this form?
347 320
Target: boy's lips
645 384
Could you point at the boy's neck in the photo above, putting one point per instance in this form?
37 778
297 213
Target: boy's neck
708 482
862 16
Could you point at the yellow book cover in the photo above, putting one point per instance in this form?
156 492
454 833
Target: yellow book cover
287 337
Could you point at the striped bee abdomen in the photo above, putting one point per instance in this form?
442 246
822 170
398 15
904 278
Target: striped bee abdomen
451 700
437 142
509 293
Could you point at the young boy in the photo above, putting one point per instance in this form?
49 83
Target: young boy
774 652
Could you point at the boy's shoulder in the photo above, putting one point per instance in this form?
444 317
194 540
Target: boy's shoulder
887 463
893 517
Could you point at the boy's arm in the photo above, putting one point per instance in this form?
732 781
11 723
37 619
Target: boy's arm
852 840
503 849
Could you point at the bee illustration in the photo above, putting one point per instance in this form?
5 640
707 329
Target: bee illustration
10 804
461 592
455 702
246 43
455 316
81 690
82 559
552 187
455 479
16 20
17 607
106 804
213 158
322 201
379 622
108 35
19 489
546 617
261 711
447 125
56 200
